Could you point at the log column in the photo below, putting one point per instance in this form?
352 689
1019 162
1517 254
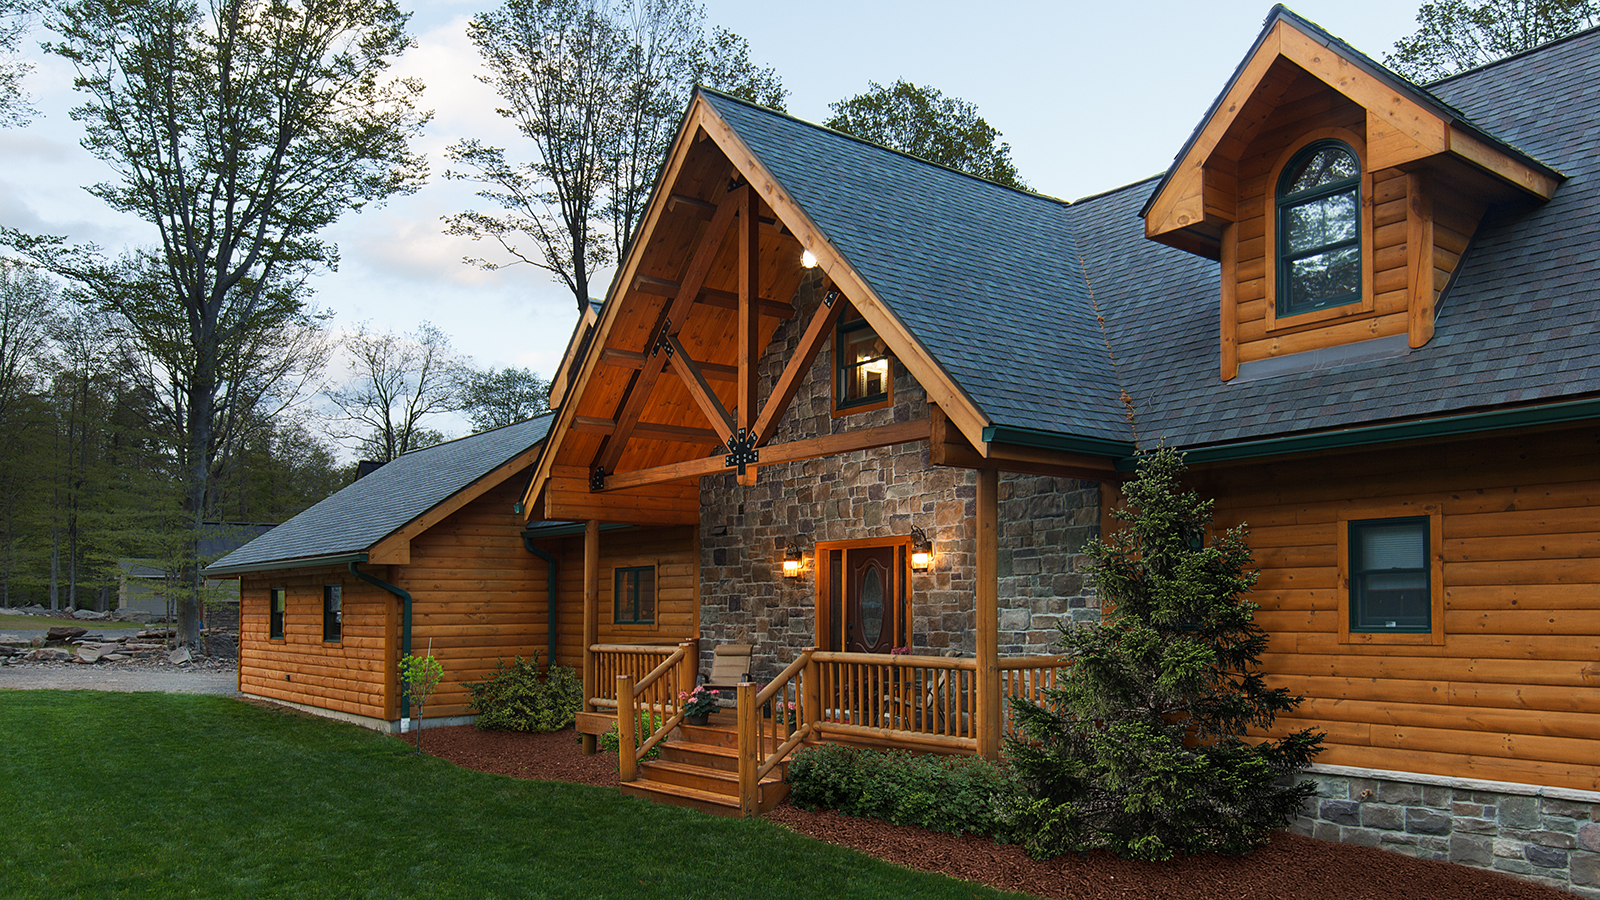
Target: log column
591 618
988 565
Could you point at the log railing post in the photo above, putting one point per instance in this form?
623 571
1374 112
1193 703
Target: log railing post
988 614
749 751
811 691
688 671
627 721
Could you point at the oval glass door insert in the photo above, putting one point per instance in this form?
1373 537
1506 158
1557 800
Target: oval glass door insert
871 607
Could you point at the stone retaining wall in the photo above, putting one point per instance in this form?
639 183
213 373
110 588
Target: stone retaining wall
1543 834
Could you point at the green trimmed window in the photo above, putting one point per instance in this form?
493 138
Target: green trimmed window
863 366
277 600
332 612
634 596
1319 229
1390 582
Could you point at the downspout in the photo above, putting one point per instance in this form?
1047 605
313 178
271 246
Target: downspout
551 567
405 626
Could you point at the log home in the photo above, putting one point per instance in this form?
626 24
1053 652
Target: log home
1364 309
886 403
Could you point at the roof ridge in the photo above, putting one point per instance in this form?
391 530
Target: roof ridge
874 144
1478 69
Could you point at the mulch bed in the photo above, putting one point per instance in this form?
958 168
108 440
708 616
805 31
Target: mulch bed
1289 867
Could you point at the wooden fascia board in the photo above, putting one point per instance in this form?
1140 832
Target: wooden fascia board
559 384
1398 112
396 548
1508 169
626 273
772 454
940 388
1187 182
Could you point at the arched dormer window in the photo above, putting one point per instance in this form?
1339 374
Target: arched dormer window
1319 229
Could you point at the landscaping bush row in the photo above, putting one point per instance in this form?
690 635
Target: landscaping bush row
959 794
521 698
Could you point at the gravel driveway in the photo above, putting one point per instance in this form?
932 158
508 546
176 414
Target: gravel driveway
77 677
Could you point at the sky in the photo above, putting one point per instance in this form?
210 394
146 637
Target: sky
1090 96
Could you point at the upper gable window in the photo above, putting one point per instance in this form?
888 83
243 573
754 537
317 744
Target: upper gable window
863 378
1319 229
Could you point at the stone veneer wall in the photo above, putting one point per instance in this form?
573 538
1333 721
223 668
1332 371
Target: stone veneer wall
1543 834
745 531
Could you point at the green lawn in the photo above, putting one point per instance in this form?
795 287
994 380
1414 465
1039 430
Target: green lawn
155 795
9 622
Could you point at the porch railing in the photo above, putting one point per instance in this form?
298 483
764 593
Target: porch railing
922 702
633 660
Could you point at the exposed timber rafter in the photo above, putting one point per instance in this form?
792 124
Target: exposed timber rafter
644 383
783 390
703 396
662 287
627 359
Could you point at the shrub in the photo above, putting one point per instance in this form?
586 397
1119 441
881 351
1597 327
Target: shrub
520 698
610 742
1140 749
958 794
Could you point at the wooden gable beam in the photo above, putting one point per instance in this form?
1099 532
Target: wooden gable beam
638 394
703 396
663 287
627 359
817 332
794 451
650 431
749 330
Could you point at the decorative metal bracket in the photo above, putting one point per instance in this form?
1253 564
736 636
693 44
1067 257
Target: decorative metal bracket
663 341
742 450
830 297
597 479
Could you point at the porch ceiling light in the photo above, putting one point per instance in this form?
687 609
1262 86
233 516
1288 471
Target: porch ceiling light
808 259
791 563
921 550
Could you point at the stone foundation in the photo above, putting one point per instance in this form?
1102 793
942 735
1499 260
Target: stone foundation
1543 834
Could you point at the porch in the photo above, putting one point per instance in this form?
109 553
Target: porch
734 766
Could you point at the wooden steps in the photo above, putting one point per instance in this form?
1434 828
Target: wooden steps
699 769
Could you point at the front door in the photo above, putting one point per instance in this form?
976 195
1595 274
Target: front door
863 607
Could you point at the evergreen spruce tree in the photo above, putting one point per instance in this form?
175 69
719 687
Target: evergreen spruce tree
1140 751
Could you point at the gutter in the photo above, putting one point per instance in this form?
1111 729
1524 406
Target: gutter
551 569
281 564
1469 423
405 622
1050 440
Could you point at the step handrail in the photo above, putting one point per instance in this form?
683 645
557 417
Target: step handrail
628 753
752 765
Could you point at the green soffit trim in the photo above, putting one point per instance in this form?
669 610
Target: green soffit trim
1050 440
280 564
1445 426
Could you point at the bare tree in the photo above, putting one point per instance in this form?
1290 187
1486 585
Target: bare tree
596 86
397 383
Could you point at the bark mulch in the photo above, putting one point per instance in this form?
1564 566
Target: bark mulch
1289 867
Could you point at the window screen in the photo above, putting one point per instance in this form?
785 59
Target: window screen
1389 577
332 616
634 598
276 602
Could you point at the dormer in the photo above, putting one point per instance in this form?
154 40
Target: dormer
1337 196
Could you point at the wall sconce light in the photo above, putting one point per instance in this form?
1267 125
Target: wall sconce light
921 550
808 259
791 563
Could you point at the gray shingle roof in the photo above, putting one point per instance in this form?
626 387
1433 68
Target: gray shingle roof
1002 287
985 277
356 518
